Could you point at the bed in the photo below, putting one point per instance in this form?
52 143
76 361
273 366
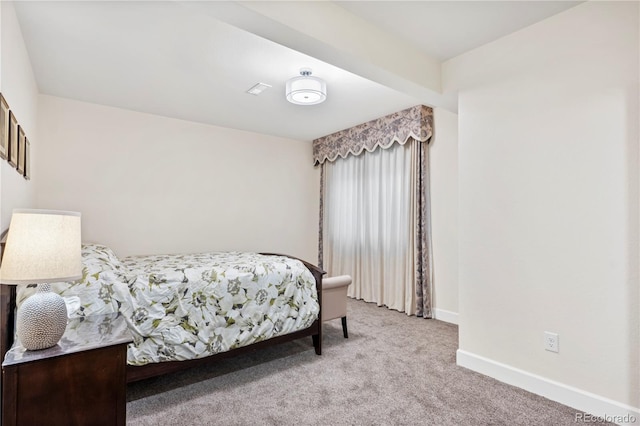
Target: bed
184 310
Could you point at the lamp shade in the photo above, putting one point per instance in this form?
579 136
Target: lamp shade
306 89
42 246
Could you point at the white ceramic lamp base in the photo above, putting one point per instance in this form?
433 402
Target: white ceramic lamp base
41 319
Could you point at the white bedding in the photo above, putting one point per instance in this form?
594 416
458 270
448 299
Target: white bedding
182 307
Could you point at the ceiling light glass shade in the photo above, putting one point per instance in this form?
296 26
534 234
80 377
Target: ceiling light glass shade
306 89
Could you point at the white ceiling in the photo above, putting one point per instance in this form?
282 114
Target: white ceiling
444 29
186 60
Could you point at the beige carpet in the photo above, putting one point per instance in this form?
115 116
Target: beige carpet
393 370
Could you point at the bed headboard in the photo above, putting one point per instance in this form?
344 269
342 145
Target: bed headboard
7 308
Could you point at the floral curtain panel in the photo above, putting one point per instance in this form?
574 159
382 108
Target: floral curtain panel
342 184
415 122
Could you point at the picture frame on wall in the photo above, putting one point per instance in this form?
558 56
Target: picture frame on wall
12 154
22 139
27 159
4 127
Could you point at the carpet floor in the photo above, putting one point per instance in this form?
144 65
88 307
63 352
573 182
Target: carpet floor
392 370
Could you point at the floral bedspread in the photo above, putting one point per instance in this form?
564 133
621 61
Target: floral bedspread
182 307
92 294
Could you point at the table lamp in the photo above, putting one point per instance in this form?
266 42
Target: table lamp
42 246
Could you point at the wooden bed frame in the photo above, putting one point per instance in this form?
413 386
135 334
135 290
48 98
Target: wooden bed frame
135 373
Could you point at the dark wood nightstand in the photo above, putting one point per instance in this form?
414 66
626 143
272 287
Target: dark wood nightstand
80 381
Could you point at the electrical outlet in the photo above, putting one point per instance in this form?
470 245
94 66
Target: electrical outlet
551 341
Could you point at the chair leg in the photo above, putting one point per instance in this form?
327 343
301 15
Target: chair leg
344 327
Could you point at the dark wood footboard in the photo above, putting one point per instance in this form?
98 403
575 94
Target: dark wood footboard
317 274
135 373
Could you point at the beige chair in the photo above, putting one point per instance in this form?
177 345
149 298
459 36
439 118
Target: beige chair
334 299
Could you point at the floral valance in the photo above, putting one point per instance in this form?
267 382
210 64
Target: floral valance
415 122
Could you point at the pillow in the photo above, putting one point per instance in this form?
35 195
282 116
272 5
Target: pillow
93 294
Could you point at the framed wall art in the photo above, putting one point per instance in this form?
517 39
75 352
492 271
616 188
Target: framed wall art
27 159
4 127
12 154
22 142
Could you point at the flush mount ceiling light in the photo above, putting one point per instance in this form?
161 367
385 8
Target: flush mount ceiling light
306 90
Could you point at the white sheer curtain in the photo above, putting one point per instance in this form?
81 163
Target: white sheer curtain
370 222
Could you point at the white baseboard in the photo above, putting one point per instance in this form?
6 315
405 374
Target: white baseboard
590 403
446 316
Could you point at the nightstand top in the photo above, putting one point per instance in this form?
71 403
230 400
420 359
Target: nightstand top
82 334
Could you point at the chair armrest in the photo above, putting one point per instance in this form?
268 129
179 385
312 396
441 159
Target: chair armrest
336 282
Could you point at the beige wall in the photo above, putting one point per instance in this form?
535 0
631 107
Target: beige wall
150 184
443 156
18 86
548 177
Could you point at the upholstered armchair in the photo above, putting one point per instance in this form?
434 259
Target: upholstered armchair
334 299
